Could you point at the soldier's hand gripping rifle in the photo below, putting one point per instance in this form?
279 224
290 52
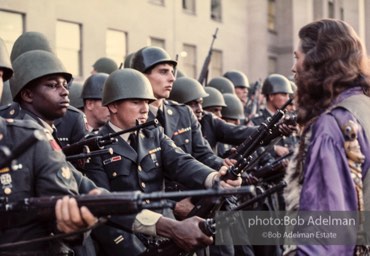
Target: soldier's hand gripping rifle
206 208
168 247
115 203
98 142
204 72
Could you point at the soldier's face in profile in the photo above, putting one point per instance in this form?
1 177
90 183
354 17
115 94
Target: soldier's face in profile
196 106
161 78
124 113
297 67
242 94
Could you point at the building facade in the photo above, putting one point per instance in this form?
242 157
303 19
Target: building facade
255 36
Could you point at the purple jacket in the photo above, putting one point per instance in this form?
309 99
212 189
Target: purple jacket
328 185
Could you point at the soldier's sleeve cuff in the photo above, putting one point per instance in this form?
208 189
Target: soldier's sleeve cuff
210 179
145 222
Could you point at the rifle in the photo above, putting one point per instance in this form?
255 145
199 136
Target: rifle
255 101
87 155
168 247
98 142
204 72
115 203
205 208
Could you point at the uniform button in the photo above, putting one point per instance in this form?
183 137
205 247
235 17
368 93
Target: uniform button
7 191
147 201
114 174
139 168
143 184
157 164
187 141
12 112
1 136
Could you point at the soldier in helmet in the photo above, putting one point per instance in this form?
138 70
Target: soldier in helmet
215 102
276 88
97 114
190 92
42 94
241 84
222 84
140 161
70 128
104 65
75 90
178 121
38 174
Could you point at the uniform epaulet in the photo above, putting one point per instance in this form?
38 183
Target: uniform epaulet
29 124
10 111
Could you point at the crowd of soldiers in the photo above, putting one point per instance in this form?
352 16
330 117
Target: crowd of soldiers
201 128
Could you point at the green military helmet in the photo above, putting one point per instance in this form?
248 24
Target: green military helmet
238 78
128 60
147 57
222 84
29 41
105 65
187 89
234 109
32 65
75 90
5 64
6 97
180 73
215 98
276 83
93 86
127 84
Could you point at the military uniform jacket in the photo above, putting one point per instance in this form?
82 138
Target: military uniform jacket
157 157
183 128
217 130
71 128
42 172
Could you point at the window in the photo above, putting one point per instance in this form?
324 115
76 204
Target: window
11 27
271 15
272 65
157 42
188 6
188 59
216 64
68 46
116 45
331 9
216 10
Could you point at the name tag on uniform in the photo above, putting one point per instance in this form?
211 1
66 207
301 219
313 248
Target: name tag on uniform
182 130
112 159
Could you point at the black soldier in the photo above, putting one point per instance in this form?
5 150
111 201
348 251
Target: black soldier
40 171
70 128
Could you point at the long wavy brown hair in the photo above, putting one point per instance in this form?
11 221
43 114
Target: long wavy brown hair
335 59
